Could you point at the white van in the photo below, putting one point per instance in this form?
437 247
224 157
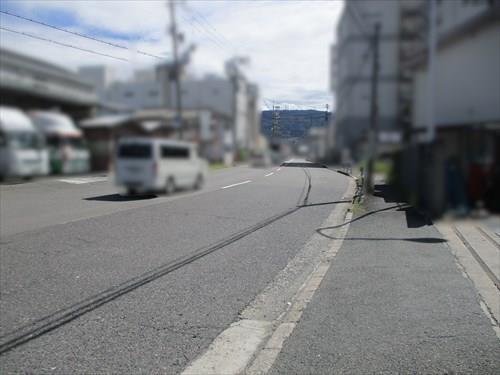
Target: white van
68 152
155 164
22 149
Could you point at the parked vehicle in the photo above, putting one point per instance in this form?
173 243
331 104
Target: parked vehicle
153 164
22 149
67 150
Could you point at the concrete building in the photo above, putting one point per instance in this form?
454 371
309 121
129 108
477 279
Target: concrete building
99 76
30 83
153 88
133 95
457 168
352 66
446 131
233 96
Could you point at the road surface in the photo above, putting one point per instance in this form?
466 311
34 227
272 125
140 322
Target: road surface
96 282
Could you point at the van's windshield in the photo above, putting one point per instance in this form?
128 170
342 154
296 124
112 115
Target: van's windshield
141 151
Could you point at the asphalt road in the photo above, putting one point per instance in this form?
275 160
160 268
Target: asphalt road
150 282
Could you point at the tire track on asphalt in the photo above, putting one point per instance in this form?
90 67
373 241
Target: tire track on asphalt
63 316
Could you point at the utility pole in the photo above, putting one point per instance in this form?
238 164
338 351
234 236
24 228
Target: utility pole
373 133
275 128
431 59
176 73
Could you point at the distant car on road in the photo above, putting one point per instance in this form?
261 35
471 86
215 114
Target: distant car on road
22 149
145 165
68 152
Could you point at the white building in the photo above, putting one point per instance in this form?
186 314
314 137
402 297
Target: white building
99 76
234 97
352 67
134 94
460 163
151 88
467 73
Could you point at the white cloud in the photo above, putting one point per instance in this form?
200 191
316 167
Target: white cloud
287 41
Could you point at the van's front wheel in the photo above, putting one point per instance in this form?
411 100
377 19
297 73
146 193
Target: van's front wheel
169 186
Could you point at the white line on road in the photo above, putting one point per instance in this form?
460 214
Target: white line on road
83 180
269 174
278 169
239 183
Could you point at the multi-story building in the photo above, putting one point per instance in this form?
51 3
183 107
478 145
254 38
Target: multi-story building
30 83
445 115
227 97
99 76
456 116
352 66
232 96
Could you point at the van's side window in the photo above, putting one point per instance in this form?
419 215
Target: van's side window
174 152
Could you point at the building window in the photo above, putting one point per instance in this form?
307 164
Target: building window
153 93
129 94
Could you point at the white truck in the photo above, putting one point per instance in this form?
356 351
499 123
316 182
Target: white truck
22 149
67 150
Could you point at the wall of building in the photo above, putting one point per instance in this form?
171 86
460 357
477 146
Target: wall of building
353 69
134 94
467 81
99 76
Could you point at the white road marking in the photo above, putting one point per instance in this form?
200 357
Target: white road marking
269 174
278 169
82 180
239 183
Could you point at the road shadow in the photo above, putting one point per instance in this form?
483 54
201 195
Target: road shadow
389 194
120 198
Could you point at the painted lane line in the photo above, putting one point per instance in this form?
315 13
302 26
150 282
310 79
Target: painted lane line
278 169
239 183
269 174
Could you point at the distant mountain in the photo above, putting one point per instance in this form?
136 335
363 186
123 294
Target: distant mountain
294 123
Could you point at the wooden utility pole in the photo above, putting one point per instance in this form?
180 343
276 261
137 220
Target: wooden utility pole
373 133
176 68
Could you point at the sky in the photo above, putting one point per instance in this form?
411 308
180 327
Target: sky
287 42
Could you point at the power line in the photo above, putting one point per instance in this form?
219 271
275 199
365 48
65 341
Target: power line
213 37
207 22
197 16
78 34
62 44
